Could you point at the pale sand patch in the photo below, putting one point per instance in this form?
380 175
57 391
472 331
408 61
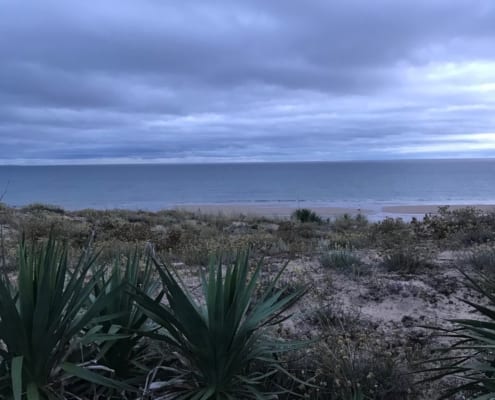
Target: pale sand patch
432 209
268 210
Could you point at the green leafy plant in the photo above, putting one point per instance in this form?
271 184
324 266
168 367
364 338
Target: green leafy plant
471 357
218 343
124 354
42 314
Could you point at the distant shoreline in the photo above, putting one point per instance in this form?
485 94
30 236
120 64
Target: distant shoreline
280 211
374 212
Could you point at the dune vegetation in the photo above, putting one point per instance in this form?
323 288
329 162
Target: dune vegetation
177 305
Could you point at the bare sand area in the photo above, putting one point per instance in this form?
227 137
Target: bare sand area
282 211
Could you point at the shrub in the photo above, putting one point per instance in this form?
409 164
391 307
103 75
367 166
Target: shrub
347 222
129 321
391 233
356 369
341 259
305 215
42 316
482 259
351 362
43 208
471 357
405 260
219 342
466 225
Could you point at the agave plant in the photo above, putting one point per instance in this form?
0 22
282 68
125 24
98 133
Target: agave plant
41 314
123 355
219 342
471 357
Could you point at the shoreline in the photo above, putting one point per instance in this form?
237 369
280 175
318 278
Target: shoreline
406 211
374 212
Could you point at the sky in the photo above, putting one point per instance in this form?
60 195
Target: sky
145 81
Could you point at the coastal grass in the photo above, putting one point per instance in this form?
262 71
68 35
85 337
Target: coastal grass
470 359
482 259
406 260
340 259
184 242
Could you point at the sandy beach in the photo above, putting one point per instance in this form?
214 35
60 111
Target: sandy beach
279 211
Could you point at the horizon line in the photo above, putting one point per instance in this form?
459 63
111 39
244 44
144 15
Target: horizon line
243 162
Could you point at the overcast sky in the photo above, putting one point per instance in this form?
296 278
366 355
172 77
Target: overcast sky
115 81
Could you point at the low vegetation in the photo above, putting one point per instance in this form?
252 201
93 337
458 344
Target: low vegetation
341 259
482 259
135 306
471 357
306 215
406 260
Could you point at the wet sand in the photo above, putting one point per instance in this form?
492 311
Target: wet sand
278 211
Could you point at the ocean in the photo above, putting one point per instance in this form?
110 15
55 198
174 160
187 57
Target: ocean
365 184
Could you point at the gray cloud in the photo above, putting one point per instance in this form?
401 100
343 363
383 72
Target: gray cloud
211 81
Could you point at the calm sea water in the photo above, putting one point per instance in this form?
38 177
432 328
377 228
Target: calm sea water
153 187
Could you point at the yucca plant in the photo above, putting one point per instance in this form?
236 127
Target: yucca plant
41 314
123 355
471 358
219 342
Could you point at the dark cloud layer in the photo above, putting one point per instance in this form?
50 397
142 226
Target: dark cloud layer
153 81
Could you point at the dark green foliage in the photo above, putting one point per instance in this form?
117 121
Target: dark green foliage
305 215
391 233
218 343
42 315
471 358
350 362
347 222
123 355
467 225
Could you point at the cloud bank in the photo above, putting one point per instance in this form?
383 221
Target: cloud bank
213 81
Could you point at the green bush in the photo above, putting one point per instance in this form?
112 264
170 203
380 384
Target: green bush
470 359
305 215
391 233
122 355
42 316
466 225
352 361
341 259
356 369
219 342
347 222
